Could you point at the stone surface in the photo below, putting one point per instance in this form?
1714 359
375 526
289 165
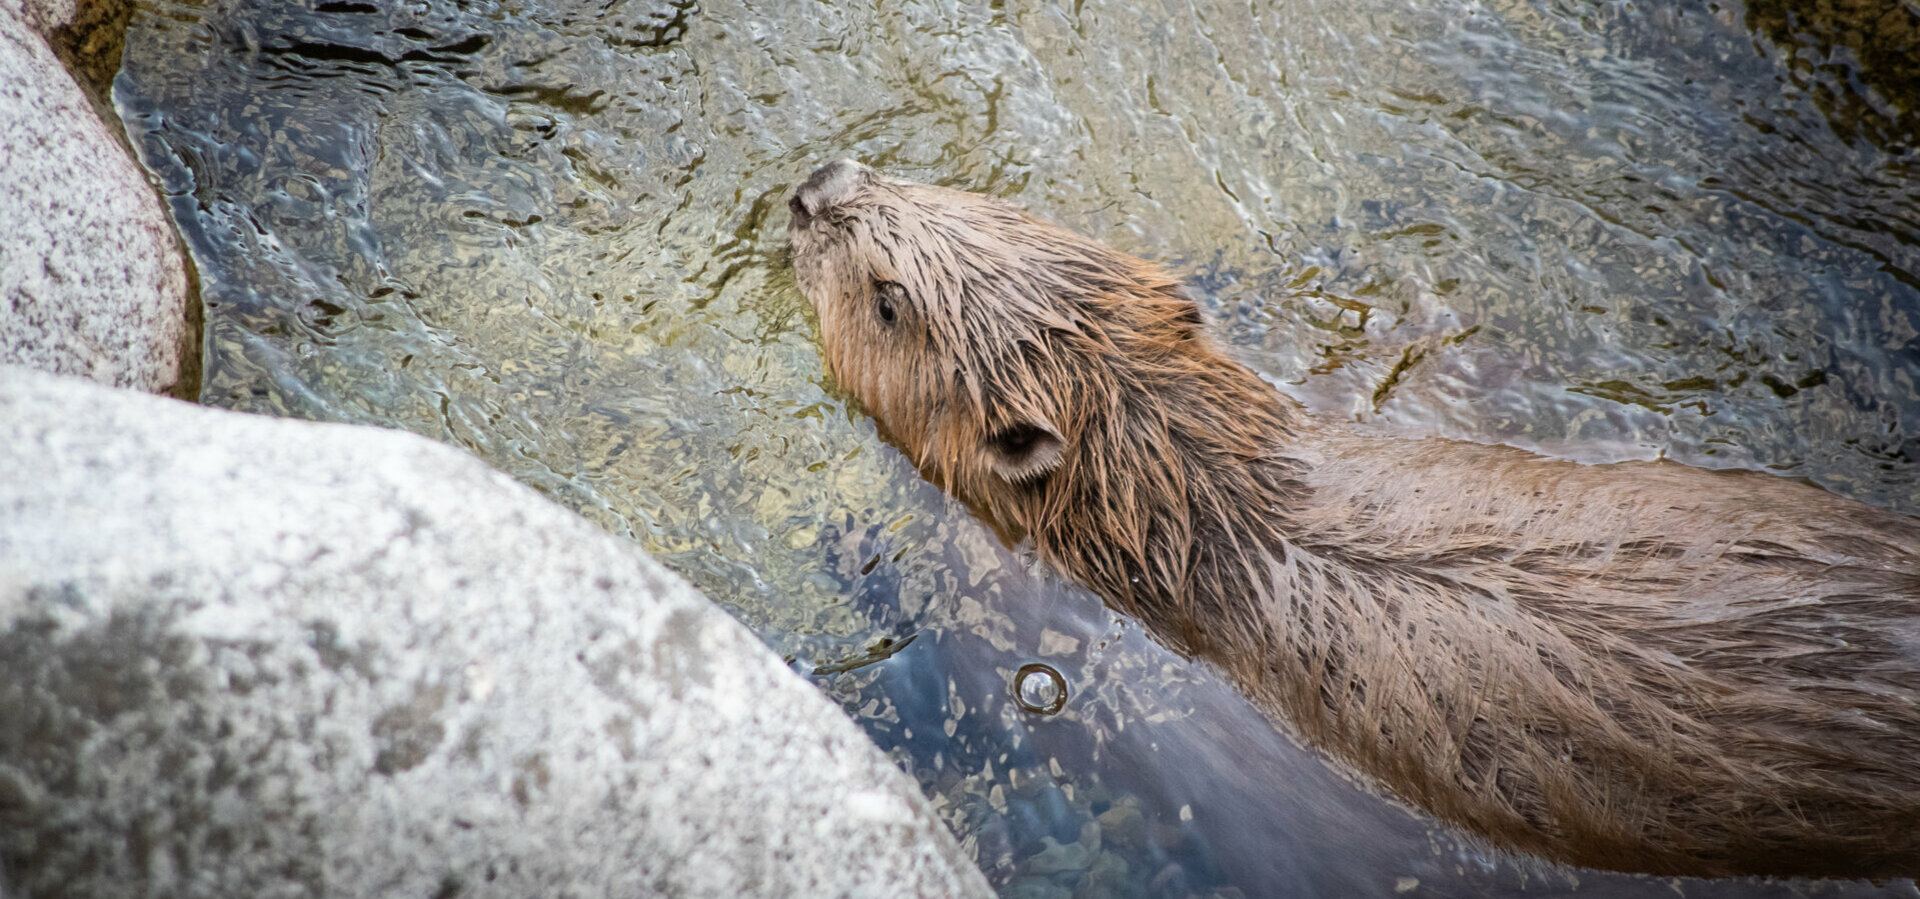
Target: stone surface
92 282
250 657
43 16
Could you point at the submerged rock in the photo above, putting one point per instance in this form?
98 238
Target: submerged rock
92 281
242 656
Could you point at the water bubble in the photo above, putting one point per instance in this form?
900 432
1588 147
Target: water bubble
1039 689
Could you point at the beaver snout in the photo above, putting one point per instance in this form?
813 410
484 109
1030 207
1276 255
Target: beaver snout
828 186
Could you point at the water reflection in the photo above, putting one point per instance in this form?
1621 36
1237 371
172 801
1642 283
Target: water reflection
1866 47
550 232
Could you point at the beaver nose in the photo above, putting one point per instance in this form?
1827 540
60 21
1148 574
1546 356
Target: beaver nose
828 186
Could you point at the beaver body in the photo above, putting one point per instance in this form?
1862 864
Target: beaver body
1640 666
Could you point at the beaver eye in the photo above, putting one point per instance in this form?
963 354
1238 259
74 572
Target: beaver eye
887 296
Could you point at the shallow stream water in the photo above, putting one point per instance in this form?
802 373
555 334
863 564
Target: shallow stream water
551 232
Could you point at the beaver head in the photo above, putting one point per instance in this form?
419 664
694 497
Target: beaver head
1008 356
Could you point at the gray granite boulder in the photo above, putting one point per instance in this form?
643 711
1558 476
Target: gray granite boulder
243 656
43 16
92 282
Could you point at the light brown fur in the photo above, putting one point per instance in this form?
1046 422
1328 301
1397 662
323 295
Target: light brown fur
1640 666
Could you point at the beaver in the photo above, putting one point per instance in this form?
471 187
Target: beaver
1638 666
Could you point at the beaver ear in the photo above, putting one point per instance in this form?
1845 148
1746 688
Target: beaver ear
1024 451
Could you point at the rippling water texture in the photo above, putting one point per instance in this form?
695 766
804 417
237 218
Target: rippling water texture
551 232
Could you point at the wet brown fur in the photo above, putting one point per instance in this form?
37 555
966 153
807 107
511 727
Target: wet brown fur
1640 666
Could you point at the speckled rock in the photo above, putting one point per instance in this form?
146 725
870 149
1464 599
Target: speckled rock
43 16
91 278
251 657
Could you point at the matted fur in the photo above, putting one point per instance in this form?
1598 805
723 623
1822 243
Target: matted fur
1639 666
